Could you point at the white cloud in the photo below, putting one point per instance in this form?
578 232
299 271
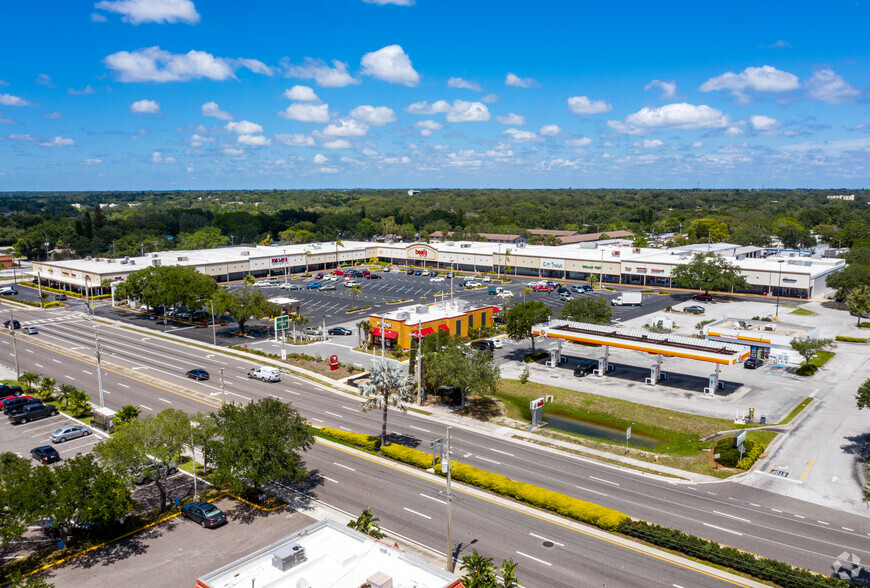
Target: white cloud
432 125
374 115
337 144
346 127
583 105
57 142
514 80
323 75
579 142
306 113
734 132
157 157
254 140
301 94
83 92
550 130
761 79
96 17
10 100
394 2
763 123
91 161
459 111
426 108
827 86
327 170
671 116
145 107
319 158
425 132
233 151
294 139
139 11
697 144
390 64
213 110
518 136
490 99
244 127
668 88
255 65
44 80
153 64
512 119
648 144
396 160
465 84
198 140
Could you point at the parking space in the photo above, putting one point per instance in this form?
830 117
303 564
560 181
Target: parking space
21 439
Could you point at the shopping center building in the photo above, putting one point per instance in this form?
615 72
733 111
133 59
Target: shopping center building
399 327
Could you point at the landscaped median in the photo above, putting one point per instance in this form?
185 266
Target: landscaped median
605 518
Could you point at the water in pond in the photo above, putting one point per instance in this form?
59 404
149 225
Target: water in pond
598 431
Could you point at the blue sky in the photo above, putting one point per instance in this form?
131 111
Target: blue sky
189 94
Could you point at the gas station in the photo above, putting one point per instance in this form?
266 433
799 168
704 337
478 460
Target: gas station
660 345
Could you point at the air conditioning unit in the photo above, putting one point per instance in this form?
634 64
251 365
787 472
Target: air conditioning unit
421 309
182 259
380 580
449 243
248 253
401 316
770 327
288 556
153 255
637 249
464 245
125 261
155 262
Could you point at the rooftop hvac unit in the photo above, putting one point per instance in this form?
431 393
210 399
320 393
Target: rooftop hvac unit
182 259
769 327
124 262
421 309
450 243
521 244
155 262
132 262
153 255
379 580
637 249
248 253
464 245
288 556
88 258
401 316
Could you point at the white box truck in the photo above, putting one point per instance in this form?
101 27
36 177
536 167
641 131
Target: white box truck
628 299
265 373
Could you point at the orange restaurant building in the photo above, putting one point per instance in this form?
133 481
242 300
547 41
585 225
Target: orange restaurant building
401 326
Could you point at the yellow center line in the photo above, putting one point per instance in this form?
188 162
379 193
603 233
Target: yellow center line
807 471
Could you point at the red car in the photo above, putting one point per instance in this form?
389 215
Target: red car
338 273
2 400
703 297
541 287
366 272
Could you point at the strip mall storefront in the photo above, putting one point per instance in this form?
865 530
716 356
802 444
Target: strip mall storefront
398 328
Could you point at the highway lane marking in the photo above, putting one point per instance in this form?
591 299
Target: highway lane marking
723 529
502 452
273 396
123 385
38 365
731 516
164 400
605 481
418 513
848 529
333 414
433 498
88 373
343 466
592 491
28 350
242 377
239 395
676 586
713 493
799 516
775 510
807 471
550 540
70 377
350 409
346 429
823 522
755 505
146 407
489 460
419 429
534 558
330 479
56 360
314 419
292 392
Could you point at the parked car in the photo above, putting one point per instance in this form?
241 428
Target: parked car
463 283
6 399
542 288
695 309
366 272
313 286
418 273
473 284
150 471
7 390
30 330
198 374
565 297
585 368
425 273
60 297
32 412
437 279
563 290
373 277
497 343
318 276
483 344
338 272
45 454
63 434
505 294
387 269
587 288
753 363
410 272
327 287
291 286
486 279
351 284
15 324
12 404
705 297
8 291
313 331
339 331
204 513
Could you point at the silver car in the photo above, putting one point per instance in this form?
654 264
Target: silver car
69 432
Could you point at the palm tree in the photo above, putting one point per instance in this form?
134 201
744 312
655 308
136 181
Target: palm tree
78 402
28 379
299 321
249 280
526 290
387 386
306 253
337 245
354 290
479 571
363 327
866 495
64 393
46 388
128 412
507 267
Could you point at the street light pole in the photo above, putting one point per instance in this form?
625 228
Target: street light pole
223 390
778 289
14 344
213 326
98 352
193 425
286 266
449 508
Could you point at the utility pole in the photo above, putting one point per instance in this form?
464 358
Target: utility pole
420 362
223 390
98 352
14 344
193 457
449 509
39 285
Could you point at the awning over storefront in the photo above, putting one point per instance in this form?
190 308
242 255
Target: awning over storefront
444 328
424 333
388 334
496 309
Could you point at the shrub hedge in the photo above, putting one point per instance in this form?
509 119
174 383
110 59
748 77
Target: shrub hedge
533 357
410 456
751 455
360 440
31 302
851 339
730 457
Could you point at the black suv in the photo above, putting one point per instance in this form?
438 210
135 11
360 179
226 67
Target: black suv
7 390
32 412
16 404
585 368
483 344
753 363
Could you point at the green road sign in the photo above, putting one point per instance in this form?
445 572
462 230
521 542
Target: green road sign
282 322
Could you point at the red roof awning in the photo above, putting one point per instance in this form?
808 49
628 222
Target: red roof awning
388 333
496 309
444 328
424 333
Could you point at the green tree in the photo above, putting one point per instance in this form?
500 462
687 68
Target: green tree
156 439
456 366
64 392
206 238
479 571
520 318
19 501
78 402
168 286
807 347
386 386
259 443
16 580
46 388
863 395
854 275
363 328
28 379
127 413
587 310
639 241
509 574
205 432
707 230
367 523
244 304
859 302
354 291
710 272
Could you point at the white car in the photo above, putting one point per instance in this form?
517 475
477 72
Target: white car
497 343
473 285
351 284
291 286
437 279
425 273
486 279
330 278
505 294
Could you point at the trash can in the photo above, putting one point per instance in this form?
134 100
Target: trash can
763 420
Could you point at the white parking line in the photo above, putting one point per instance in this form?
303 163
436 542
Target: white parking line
418 513
534 558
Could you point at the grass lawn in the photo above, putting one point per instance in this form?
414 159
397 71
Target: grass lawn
678 433
820 359
802 312
796 411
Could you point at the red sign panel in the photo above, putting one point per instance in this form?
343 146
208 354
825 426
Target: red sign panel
421 252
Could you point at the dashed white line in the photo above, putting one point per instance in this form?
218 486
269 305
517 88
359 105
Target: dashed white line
605 481
848 529
314 419
56 360
489 460
71 378
273 396
823 523
292 392
775 510
731 516
592 491
330 479
420 514
755 505
346 429
87 372
333 414
712 493
350 409
502 452
164 400
534 558
550 540
676 586
38 365
799 516
433 498
419 429
343 466
123 385
722 529
146 407
28 350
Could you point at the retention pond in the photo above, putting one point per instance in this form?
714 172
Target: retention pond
598 431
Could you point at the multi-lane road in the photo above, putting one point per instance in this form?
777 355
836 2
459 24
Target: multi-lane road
148 370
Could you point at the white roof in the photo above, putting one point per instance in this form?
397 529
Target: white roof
433 312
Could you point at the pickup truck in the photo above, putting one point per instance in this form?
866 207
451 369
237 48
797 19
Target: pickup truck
32 412
495 290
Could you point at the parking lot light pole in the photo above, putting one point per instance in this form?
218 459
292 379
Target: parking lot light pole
213 326
778 289
14 344
286 266
98 352
193 425
223 390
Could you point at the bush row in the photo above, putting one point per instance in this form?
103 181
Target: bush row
48 289
729 456
864 325
262 353
533 357
367 442
751 456
31 302
771 570
851 339
410 456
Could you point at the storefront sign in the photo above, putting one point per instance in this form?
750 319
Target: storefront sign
279 260
553 264
594 267
421 252
789 280
657 271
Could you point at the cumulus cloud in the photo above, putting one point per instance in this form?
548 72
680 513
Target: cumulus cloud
158 157
459 111
861 128
827 86
197 140
346 127
233 151
322 74
671 116
213 110
579 142
301 94
426 108
427 126
83 92
10 100
96 17
517 82
244 127
254 140
44 80
490 99
320 158
91 161
255 65
394 2
57 142
734 132
337 144
697 145
306 113
327 170
145 107
374 115
648 143
390 64
761 79
668 88
294 139
518 136
512 119
550 130
153 64
763 123
159 11
583 105
465 84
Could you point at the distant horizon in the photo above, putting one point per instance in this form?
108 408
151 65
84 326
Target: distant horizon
328 189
